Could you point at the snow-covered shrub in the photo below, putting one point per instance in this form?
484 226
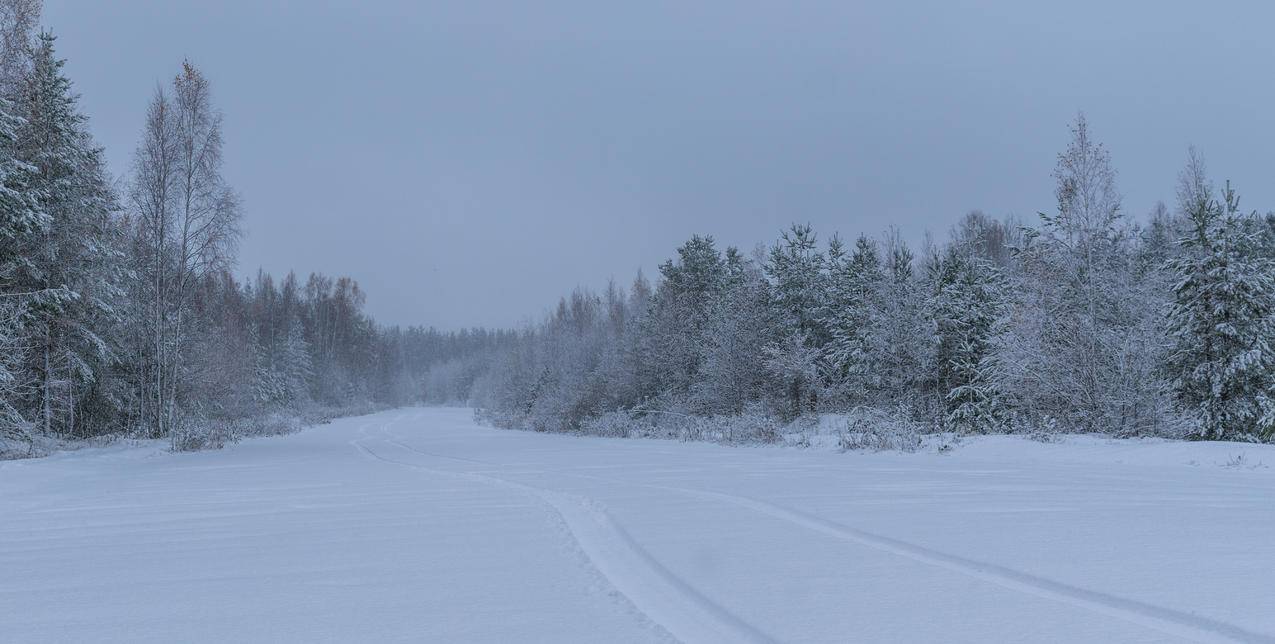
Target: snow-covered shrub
274 424
1042 430
16 440
880 430
616 424
194 433
751 426
946 442
1241 461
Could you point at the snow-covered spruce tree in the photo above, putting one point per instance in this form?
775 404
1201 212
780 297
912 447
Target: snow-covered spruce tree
281 354
75 267
627 368
905 334
796 270
1222 363
799 285
295 367
792 366
21 223
680 315
968 310
734 372
19 20
855 309
619 386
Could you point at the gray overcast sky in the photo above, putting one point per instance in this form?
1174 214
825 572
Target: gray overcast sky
470 161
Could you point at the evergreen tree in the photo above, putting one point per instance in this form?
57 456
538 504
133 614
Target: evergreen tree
22 223
856 347
1222 365
905 335
799 285
968 311
796 270
742 325
681 314
75 266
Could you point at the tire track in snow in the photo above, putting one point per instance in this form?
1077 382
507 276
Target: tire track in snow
664 598
1165 620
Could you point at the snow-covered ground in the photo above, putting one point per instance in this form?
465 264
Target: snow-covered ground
419 525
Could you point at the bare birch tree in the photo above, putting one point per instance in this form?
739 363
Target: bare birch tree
188 223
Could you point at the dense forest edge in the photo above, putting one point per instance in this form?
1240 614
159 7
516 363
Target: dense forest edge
1084 321
120 313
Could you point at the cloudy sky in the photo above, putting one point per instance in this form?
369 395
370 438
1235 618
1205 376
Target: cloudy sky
468 162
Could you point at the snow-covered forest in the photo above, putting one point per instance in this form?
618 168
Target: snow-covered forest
283 355
119 310
1085 319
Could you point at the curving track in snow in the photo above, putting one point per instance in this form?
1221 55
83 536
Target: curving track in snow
658 593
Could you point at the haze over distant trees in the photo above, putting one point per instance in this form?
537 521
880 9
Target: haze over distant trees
119 312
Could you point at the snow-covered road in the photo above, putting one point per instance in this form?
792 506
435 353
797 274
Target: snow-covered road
419 525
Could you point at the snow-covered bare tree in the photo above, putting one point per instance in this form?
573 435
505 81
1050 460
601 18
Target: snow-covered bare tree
1078 348
187 220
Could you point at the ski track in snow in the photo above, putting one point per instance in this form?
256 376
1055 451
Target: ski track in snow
656 592
1164 620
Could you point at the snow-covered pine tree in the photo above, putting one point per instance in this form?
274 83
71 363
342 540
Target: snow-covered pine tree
906 336
680 315
1222 364
799 286
796 270
734 371
857 344
968 315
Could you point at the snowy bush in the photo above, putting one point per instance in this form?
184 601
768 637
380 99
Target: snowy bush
880 430
275 424
616 424
194 433
751 426
16 440
1043 430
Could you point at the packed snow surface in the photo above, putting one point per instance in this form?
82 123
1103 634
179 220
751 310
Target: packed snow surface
421 525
